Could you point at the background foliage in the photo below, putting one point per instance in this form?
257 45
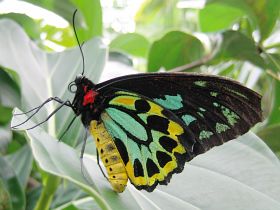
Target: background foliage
234 38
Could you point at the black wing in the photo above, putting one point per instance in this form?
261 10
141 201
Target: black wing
215 109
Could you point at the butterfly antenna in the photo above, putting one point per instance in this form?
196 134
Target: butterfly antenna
49 116
80 46
38 108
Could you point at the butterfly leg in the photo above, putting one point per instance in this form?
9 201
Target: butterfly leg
84 145
97 155
68 127
98 163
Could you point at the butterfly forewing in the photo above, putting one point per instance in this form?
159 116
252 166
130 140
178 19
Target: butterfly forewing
149 138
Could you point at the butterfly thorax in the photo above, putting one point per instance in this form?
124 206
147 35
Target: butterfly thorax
86 100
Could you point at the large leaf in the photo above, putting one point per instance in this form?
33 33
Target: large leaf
155 17
9 96
32 196
47 151
131 43
218 16
48 74
29 25
271 136
10 93
174 49
274 117
236 46
245 168
21 161
149 9
66 194
267 12
92 13
6 137
263 14
62 8
5 200
12 185
273 62
60 36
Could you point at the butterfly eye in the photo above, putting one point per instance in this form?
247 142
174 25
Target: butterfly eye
72 87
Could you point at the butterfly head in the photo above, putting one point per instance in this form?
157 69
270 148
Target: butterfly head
85 94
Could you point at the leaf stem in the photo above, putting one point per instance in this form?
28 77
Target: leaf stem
48 192
99 200
192 65
274 45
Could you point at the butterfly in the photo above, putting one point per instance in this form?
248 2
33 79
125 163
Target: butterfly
147 126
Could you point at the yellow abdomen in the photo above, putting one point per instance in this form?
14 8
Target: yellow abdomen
110 156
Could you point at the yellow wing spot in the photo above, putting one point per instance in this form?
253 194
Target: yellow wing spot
174 129
155 109
139 181
123 100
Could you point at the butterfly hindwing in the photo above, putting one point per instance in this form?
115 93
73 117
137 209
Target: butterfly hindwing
213 109
149 138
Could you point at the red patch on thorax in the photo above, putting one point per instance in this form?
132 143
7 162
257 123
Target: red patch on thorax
89 97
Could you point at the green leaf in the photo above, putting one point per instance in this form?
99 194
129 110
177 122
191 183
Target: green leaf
92 13
273 62
217 16
149 9
6 137
132 43
158 16
21 161
85 204
244 162
274 117
5 200
29 25
174 49
60 36
71 207
6 115
263 14
270 135
61 160
17 142
12 185
64 8
44 75
32 196
235 45
68 193
267 12
10 93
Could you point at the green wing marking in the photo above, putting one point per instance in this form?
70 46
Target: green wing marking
211 110
148 137
213 113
